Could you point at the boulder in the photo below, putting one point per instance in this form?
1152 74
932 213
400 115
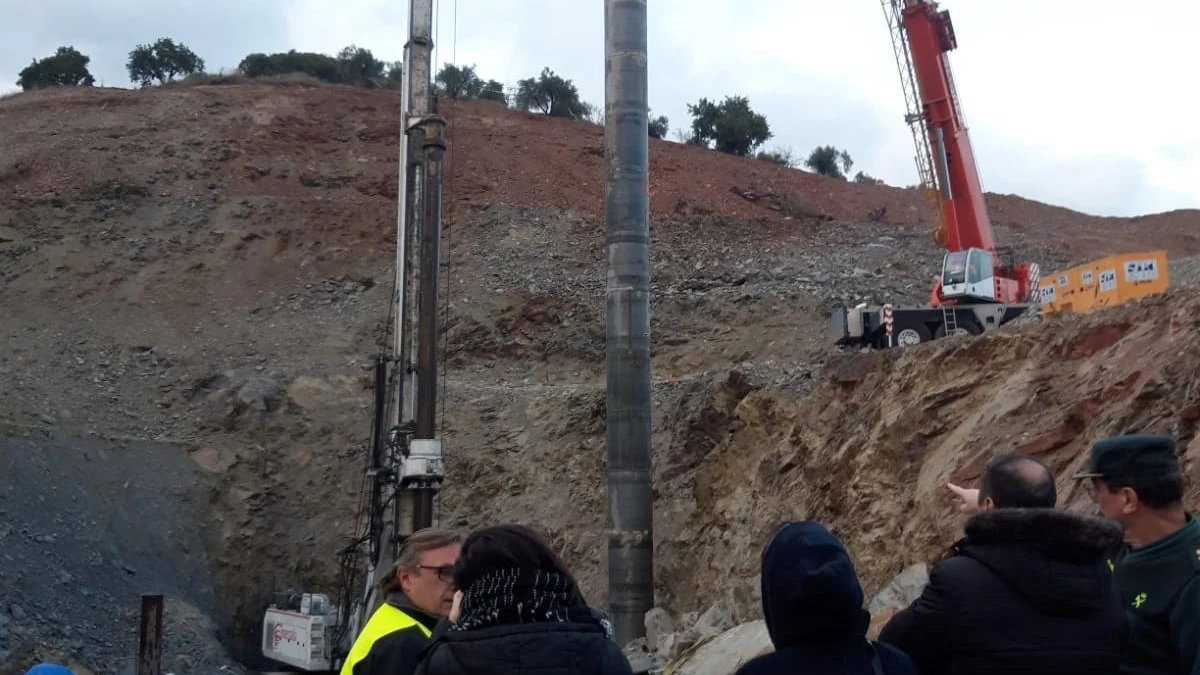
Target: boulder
725 653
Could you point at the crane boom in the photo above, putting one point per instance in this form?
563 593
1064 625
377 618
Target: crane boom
916 118
930 35
922 36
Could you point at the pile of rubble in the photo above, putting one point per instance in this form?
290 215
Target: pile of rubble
713 644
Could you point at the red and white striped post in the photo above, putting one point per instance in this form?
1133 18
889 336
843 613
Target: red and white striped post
888 322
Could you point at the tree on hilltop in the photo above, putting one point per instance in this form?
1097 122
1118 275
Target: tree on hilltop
65 68
162 61
551 95
825 160
321 66
359 66
353 65
730 126
463 82
658 126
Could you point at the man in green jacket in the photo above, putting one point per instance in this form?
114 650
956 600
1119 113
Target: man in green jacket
1136 481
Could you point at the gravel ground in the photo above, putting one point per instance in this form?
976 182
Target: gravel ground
86 528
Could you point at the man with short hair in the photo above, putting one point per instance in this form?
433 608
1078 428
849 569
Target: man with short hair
1026 590
1014 479
1136 481
419 591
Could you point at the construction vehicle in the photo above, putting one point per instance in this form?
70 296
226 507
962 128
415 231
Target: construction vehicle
404 468
980 286
1106 282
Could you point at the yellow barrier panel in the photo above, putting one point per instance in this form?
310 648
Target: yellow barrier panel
1104 283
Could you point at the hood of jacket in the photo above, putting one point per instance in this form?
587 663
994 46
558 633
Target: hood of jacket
810 590
1055 560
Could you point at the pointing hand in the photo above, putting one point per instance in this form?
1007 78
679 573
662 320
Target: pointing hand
969 497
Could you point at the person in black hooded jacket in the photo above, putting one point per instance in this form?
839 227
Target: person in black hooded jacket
1027 590
813 607
520 611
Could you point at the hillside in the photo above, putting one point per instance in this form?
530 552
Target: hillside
208 268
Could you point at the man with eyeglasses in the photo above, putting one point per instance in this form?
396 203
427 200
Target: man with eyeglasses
419 591
1136 481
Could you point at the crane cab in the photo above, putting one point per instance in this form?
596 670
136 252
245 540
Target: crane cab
969 275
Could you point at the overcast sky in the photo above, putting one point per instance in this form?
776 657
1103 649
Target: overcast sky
1081 103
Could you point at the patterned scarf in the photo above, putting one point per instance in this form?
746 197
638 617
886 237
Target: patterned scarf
509 596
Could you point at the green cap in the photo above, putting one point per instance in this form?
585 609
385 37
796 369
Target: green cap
1131 456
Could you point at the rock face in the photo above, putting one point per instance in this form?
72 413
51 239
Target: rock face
227 292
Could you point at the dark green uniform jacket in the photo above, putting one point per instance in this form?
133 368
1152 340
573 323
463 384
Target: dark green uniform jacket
1159 585
391 641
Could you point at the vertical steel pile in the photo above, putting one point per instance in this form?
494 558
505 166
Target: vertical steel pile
627 217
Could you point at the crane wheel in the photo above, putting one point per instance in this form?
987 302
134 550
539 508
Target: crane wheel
909 334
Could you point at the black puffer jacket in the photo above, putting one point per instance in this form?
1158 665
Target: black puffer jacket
516 649
1027 591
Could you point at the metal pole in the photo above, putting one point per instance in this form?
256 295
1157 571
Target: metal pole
424 441
420 100
150 636
430 241
420 93
420 472
627 217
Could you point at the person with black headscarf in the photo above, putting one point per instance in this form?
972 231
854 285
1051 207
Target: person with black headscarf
520 610
813 607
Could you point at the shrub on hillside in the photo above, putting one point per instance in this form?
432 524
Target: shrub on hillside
65 68
463 82
321 66
353 66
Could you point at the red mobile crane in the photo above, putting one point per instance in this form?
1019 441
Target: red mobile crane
980 286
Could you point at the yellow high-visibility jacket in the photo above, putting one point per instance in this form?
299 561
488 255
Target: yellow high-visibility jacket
391 641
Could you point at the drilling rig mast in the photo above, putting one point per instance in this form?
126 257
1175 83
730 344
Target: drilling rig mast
406 469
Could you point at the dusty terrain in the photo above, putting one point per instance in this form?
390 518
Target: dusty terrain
209 268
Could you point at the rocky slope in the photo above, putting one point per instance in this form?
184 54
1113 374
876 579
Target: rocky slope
210 268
